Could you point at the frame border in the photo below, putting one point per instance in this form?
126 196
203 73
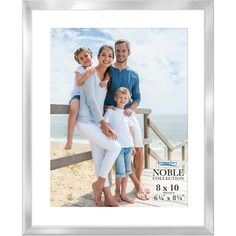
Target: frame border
208 7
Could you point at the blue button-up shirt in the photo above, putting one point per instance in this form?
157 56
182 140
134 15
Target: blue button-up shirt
124 78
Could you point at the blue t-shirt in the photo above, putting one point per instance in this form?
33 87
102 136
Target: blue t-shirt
124 78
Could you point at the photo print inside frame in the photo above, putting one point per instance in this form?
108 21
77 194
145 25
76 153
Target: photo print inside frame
158 56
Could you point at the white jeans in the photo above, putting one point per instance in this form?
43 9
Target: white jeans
104 150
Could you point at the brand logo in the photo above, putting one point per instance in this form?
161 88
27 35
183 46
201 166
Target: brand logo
168 163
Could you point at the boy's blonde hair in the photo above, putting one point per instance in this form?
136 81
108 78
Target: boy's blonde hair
122 90
81 49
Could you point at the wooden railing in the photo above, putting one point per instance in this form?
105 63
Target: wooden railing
147 125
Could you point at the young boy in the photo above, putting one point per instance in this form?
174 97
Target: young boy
120 124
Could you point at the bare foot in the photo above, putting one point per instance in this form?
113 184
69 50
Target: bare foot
141 196
125 198
117 196
97 194
111 203
147 190
141 189
68 146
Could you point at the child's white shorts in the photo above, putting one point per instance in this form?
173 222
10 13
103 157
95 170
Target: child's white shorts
136 131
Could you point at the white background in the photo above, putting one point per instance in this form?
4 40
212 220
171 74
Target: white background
11 117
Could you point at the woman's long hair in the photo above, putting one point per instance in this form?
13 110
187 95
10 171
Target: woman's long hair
108 73
109 83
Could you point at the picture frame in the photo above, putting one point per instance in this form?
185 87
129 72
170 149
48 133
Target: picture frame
207 6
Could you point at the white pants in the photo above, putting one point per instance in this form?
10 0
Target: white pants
104 150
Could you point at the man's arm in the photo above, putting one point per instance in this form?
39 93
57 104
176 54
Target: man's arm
136 98
128 111
136 95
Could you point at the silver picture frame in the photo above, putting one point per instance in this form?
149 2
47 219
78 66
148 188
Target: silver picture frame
208 7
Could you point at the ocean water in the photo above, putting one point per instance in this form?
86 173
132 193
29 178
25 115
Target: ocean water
174 127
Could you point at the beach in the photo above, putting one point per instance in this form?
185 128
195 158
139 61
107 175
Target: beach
70 183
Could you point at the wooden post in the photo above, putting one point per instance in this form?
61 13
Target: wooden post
183 153
146 135
169 152
165 153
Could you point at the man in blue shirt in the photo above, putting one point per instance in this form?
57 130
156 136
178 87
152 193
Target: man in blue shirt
124 76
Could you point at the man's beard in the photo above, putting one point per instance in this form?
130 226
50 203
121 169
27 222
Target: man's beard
121 60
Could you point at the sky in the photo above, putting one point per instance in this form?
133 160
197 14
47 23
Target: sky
158 55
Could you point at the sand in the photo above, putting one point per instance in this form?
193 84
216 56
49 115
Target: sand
69 183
